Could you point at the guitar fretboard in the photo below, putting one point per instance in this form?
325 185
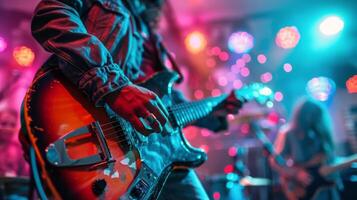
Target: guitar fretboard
188 112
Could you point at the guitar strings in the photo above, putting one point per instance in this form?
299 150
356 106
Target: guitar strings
179 106
170 109
119 138
114 127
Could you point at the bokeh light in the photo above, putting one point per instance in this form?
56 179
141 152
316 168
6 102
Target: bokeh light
216 92
278 96
198 94
288 67
262 58
247 58
195 42
331 25
228 169
351 84
3 44
266 77
223 56
245 71
211 63
215 51
237 84
232 151
321 88
240 42
216 195
245 128
222 81
270 104
287 37
24 56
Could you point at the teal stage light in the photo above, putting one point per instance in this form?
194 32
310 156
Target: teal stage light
321 88
331 25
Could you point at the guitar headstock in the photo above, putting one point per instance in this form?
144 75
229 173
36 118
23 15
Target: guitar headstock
257 92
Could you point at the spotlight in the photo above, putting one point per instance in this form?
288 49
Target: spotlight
331 25
195 42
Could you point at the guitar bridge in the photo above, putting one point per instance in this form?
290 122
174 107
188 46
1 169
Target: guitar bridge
57 152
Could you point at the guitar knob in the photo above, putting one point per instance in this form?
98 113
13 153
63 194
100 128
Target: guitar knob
98 186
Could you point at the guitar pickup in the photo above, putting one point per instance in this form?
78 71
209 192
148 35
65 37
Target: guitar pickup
57 153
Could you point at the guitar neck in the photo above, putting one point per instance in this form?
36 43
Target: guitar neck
329 169
188 112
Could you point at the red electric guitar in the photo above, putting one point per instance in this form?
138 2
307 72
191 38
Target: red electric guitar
86 152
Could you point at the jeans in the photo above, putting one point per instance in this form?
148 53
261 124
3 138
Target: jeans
183 185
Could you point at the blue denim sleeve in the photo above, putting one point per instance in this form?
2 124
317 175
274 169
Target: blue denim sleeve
57 26
211 122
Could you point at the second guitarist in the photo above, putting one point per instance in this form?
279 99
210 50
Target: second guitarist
306 144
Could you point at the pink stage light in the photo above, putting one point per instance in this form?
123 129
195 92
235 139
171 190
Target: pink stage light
232 151
216 195
198 94
195 42
240 42
266 77
262 58
215 51
222 81
288 67
3 44
278 96
246 57
216 92
228 169
237 84
223 56
287 37
245 71
211 63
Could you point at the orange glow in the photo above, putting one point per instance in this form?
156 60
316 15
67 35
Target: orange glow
24 56
351 84
287 37
195 42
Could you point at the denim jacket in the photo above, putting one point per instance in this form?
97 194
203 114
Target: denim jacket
97 42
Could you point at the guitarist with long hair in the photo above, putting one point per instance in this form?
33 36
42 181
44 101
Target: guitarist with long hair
306 144
104 47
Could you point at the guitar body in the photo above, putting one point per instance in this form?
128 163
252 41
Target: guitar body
295 191
86 152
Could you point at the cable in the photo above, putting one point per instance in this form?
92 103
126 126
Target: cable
36 176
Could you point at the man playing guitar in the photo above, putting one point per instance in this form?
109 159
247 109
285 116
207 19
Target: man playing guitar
104 47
